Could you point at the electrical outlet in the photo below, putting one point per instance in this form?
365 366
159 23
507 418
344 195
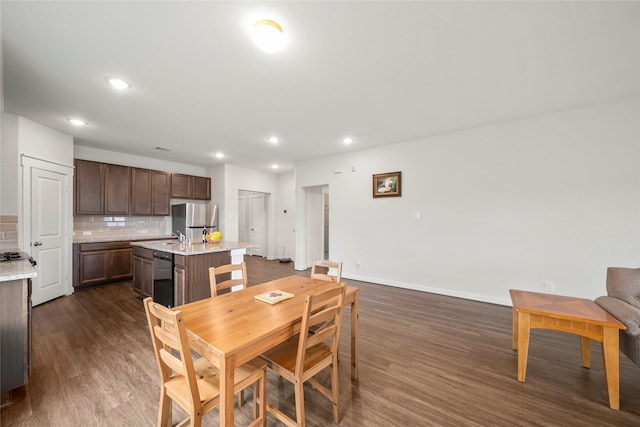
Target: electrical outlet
549 286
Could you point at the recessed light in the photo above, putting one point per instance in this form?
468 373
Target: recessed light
273 139
118 83
347 140
268 36
77 122
219 155
274 166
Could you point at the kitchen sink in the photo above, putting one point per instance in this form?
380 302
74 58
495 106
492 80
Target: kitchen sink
163 243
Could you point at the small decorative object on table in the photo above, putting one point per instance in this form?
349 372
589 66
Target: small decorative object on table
274 297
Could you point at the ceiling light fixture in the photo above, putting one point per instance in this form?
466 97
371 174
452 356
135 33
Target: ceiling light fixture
77 122
219 155
268 36
274 166
347 140
118 83
274 139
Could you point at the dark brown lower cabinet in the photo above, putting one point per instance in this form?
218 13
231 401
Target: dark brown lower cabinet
101 263
143 271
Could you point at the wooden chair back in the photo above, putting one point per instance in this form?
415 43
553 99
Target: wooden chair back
217 286
321 320
321 268
171 347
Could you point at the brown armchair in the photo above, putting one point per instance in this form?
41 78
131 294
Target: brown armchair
623 302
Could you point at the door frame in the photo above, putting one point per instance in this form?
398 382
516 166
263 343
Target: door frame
24 211
314 224
247 219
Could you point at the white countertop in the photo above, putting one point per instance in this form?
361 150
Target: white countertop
16 270
192 248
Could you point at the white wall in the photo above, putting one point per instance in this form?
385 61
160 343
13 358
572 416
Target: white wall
23 136
217 175
550 198
236 179
285 221
9 161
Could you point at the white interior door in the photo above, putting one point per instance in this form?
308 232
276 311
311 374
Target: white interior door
49 210
257 216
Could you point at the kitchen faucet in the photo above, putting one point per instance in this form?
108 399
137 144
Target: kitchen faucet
181 237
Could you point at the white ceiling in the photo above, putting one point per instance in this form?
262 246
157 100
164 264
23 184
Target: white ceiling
381 72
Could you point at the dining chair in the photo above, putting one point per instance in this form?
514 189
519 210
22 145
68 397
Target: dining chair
216 286
194 385
227 284
321 270
299 361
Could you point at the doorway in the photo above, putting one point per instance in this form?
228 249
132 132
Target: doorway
46 216
316 223
253 220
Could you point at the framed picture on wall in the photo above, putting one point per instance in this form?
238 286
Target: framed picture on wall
387 184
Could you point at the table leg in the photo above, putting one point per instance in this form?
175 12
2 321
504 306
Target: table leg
514 334
585 345
524 323
226 392
611 356
354 338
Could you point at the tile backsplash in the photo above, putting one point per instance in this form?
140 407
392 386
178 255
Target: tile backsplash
119 226
8 231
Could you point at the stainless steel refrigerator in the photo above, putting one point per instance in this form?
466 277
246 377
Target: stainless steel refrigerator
191 219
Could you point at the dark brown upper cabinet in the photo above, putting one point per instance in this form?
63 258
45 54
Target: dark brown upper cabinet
149 192
201 188
107 189
101 188
181 186
190 187
117 189
88 188
161 190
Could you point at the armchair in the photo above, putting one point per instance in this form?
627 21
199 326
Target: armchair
623 302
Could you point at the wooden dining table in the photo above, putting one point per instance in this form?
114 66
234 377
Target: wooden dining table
233 328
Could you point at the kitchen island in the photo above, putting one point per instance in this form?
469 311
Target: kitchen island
176 273
15 321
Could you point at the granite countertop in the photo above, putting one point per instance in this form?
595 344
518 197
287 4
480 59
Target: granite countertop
191 248
132 238
16 270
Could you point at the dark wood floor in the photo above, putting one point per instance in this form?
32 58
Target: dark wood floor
426 360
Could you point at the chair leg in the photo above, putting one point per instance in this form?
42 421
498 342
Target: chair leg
335 392
261 391
256 399
196 420
299 389
164 412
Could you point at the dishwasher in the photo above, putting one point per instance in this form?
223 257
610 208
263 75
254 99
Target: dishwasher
163 278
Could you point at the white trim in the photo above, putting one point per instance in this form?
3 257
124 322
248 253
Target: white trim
28 157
